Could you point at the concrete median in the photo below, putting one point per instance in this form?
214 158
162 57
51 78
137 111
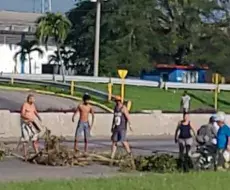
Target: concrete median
152 124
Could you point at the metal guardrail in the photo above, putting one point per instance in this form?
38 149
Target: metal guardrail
46 77
82 89
133 82
193 86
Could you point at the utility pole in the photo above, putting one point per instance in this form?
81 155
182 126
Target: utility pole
46 6
34 5
97 38
42 6
50 5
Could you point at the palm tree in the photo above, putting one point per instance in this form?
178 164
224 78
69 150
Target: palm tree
67 57
26 48
54 58
54 26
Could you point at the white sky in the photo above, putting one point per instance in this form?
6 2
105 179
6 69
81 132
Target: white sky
28 5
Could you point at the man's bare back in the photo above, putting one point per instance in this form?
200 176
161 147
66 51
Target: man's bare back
84 111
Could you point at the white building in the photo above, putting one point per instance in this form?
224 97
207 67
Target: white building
7 62
14 27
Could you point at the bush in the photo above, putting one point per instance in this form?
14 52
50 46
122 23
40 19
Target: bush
158 163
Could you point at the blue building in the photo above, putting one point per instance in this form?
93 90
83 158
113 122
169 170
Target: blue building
176 73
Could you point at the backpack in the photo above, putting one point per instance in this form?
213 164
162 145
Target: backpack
205 134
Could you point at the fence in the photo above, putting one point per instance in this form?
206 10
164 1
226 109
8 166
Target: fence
66 87
46 79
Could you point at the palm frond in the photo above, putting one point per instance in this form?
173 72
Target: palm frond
16 55
39 50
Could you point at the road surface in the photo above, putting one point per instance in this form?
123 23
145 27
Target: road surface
16 170
12 100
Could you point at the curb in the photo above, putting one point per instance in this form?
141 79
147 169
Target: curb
56 94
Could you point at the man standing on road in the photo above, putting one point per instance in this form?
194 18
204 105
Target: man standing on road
119 127
207 133
83 127
223 139
185 102
29 128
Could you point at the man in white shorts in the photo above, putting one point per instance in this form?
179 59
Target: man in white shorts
185 102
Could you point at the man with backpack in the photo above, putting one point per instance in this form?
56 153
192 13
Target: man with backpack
207 133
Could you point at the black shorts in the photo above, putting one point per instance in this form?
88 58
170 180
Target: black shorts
119 136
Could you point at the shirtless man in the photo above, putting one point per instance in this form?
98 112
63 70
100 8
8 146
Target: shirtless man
83 127
28 126
119 126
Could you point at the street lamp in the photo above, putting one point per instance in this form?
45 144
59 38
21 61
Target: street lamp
97 38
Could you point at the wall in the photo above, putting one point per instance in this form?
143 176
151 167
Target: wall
156 75
174 75
202 76
7 62
60 123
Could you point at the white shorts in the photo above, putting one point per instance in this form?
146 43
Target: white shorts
29 132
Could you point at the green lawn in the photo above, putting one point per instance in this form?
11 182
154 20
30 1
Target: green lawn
158 99
192 181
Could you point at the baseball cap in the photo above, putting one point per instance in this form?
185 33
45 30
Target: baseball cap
212 118
220 116
117 98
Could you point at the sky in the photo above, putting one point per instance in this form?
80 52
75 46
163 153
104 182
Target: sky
28 5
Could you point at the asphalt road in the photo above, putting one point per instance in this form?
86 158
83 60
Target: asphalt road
12 169
12 100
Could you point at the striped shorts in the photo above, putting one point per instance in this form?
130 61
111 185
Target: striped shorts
29 132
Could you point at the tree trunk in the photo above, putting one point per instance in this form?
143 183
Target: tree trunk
62 64
15 67
22 59
30 66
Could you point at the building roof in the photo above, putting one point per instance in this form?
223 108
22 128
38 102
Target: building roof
14 24
18 17
18 21
186 67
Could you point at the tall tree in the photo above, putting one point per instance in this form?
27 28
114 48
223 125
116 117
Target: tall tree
26 48
125 34
66 56
55 27
135 33
82 33
183 23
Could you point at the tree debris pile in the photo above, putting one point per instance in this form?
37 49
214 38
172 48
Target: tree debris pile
4 150
56 154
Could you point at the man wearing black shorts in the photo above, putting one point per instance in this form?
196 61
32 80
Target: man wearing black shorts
119 126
